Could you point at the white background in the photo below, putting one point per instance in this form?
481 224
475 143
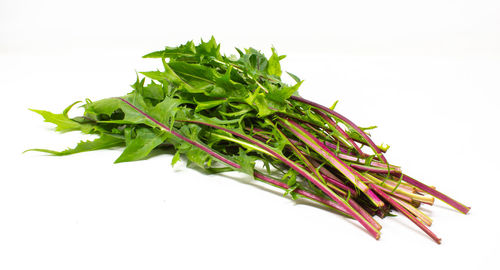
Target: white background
426 72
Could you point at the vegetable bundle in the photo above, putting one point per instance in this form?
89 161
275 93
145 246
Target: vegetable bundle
226 113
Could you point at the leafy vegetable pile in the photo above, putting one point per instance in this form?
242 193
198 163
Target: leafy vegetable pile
235 113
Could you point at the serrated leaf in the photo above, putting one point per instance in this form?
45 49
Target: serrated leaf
194 71
176 158
153 91
262 106
246 162
197 156
103 142
139 146
231 88
204 105
281 94
166 110
186 50
62 122
208 49
274 67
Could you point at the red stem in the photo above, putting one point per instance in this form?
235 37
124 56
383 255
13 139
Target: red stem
351 174
347 121
460 207
339 129
300 192
201 146
405 212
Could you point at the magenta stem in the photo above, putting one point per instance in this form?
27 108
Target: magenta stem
353 176
405 212
201 146
339 129
460 207
365 214
347 121
373 169
301 192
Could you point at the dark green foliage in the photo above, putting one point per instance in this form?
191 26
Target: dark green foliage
196 82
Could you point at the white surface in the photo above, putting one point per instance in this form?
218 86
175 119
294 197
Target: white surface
426 73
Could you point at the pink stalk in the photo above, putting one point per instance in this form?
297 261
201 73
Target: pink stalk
345 120
300 192
340 185
315 144
393 183
321 149
335 182
201 146
390 185
383 165
313 197
395 194
325 135
369 192
374 169
365 214
417 213
334 147
345 155
460 207
405 212
331 178
339 129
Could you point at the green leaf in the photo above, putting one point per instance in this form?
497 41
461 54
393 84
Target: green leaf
274 67
294 77
186 50
263 109
140 145
208 49
165 111
155 75
384 147
63 123
246 162
290 191
368 160
281 94
169 76
254 61
105 106
196 155
194 71
104 142
65 112
334 105
204 105
153 91
176 158
231 88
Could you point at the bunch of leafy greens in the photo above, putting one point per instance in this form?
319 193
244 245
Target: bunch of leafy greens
231 113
